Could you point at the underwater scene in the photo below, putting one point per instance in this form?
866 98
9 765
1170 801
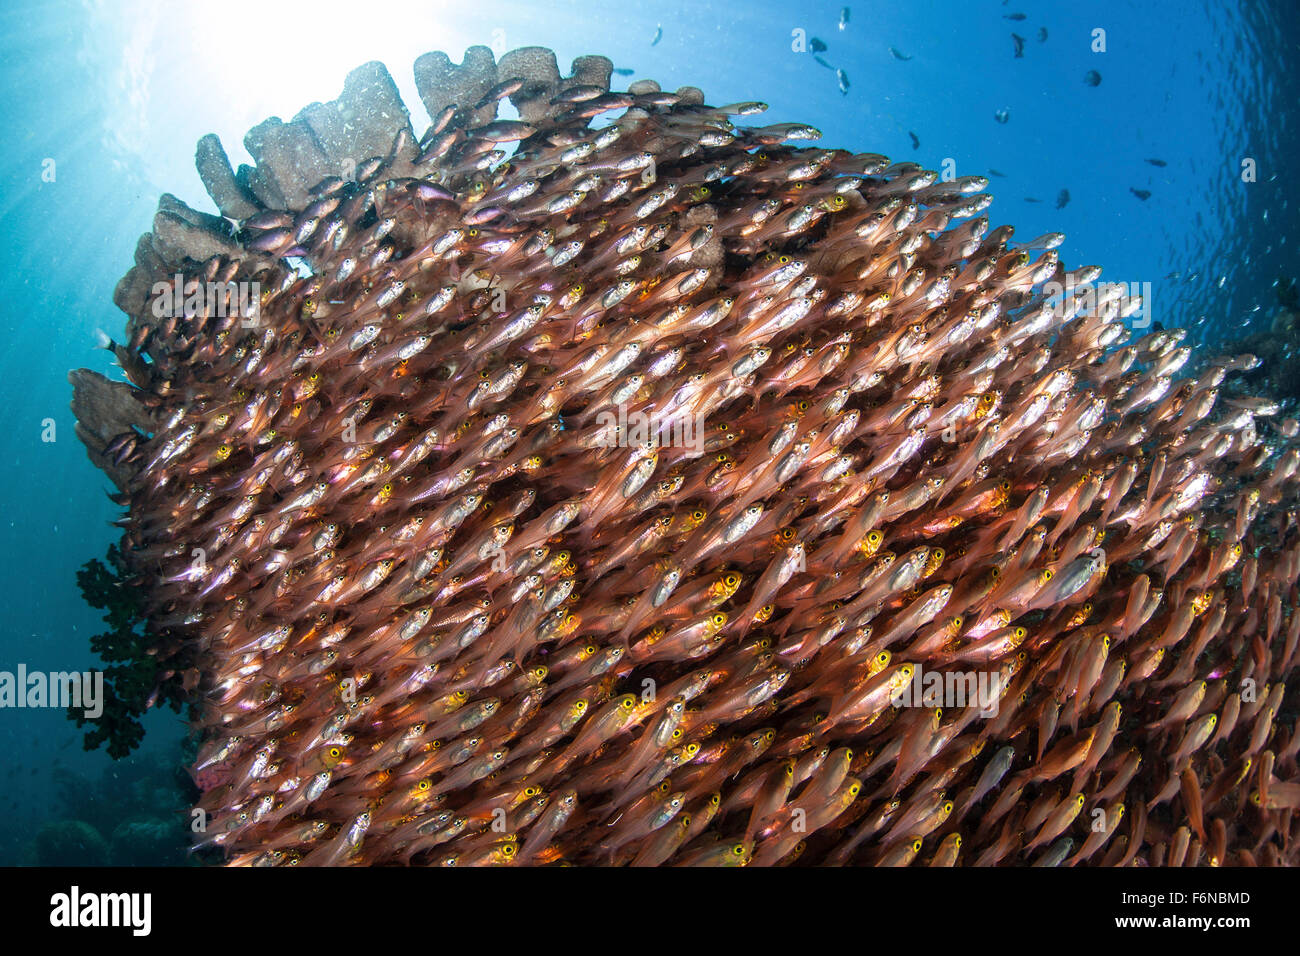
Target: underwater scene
651 434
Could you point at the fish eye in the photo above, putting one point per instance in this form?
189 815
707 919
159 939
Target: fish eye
626 703
916 846
874 537
732 580
423 785
883 657
947 807
335 752
678 734
783 259
719 619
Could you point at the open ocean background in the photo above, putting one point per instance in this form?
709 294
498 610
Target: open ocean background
115 94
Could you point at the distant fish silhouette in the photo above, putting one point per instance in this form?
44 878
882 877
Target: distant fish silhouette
1032 199
1092 78
1157 162
994 172
1002 116
916 143
623 71
1062 198
822 62
1020 45
1143 194
1042 34
843 79
1013 16
817 45
896 55
659 35
844 18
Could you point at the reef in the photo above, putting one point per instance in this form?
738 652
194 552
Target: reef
631 483
1278 349
70 843
136 812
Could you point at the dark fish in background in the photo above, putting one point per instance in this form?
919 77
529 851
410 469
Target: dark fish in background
893 51
1158 162
1143 194
1020 45
994 172
1002 115
1092 78
1042 34
916 143
1062 198
623 71
659 35
1013 16
822 62
843 79
844 18
817 45
1032 199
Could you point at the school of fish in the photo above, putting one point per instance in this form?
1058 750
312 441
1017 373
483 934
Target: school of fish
444 597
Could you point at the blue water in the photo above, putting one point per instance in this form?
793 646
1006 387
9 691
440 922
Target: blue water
114 95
